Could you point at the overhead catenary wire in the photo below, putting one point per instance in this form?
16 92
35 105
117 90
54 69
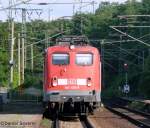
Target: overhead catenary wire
38 42
60 3
142 42
35 56
131 26
17 4
111 66
126 16
123 41
124 60
119 41
126 51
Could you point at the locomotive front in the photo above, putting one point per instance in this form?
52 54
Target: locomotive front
72 76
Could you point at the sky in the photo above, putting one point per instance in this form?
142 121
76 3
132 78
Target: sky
49 12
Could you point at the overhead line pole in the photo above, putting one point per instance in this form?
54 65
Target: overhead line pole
44 40
32 57
73 9
93 3
12 57
23 42
11 39
102 57
19 80
81 22
24 33
49 14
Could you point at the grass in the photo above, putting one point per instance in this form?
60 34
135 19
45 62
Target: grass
140 106
45 123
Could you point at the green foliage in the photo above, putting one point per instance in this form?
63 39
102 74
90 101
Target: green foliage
111 92
131 8
4 68
95 26
146 6
144 86
144 82
34 80
137 105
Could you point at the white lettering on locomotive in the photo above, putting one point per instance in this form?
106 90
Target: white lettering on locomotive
72 82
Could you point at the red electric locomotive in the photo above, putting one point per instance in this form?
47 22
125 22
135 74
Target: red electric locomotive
72 78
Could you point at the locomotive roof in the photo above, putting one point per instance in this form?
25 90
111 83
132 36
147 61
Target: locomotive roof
67 48
76 46
72 40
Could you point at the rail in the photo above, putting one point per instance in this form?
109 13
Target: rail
128 117
86 123
55 123
135 111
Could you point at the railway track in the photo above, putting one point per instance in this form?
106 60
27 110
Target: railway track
81 123
55 123
86 123
135 111
136 117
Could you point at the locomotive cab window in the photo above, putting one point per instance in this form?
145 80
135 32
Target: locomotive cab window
60 59
84 59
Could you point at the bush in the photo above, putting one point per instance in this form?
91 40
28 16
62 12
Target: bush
34 81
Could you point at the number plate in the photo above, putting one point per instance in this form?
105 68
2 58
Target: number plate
72 81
